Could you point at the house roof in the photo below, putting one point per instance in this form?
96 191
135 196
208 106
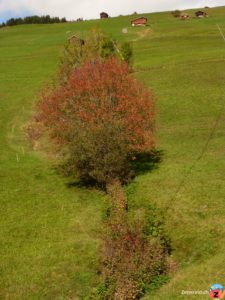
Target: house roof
139 20
200 12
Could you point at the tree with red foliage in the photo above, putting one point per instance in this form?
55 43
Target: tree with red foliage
101 116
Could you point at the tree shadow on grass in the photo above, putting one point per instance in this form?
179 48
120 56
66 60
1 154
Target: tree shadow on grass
146 162
79 183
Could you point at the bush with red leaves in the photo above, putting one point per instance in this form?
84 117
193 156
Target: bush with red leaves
100 116
130 260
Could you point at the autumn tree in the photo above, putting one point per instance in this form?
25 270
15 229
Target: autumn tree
100 117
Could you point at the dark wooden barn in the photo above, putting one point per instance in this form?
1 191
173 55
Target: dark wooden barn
201 14
104 15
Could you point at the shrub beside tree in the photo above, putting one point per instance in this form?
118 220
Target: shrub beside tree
131 259
127 53
96 46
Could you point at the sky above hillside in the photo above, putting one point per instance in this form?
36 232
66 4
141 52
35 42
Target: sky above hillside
90 9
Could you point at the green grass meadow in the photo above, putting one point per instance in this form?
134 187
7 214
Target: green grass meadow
49 229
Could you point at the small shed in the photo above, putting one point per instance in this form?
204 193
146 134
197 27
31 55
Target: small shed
184 17
201 14
104 15
142 21
75 40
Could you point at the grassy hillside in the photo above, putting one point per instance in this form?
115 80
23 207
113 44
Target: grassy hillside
48 228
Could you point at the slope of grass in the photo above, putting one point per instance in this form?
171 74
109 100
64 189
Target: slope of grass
49 232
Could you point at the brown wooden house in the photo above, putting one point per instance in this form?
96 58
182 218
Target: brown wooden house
104 15
201 14
142 21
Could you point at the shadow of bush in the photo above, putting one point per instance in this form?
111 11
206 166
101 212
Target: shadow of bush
146 162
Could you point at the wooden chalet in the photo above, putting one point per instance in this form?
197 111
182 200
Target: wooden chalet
142 21
104 15
201 14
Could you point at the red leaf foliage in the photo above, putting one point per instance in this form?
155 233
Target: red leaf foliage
99 94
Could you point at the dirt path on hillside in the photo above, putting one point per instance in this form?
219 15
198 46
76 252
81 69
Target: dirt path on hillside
143 33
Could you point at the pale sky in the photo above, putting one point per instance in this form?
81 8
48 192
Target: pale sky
90 9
